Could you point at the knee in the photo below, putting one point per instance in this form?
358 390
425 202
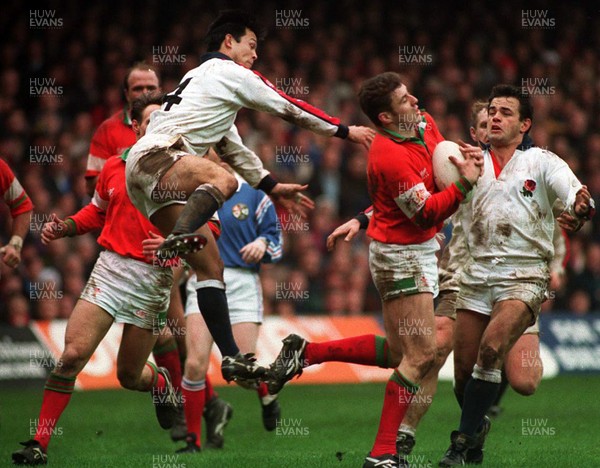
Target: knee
196 368
527 384
490 356
127 378
71 362
230 185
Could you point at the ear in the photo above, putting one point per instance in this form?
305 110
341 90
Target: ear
385 118
228 41
472 133
525 125
136 127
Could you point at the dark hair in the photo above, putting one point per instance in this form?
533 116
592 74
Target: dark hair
476 108
234 22
139 105
525 107
138 66
375 95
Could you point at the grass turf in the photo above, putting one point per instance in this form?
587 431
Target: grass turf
322 426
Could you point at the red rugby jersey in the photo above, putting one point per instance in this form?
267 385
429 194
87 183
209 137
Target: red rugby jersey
12 192
407 207
123 226
113 136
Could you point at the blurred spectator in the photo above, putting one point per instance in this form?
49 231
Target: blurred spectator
461 57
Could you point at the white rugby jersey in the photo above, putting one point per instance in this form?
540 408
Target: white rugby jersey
511 216
202 110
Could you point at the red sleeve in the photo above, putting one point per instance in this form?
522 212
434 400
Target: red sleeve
12 192
439 206
99 151
89 218
414 199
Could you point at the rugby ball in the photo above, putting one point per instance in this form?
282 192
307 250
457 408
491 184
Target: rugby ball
445 173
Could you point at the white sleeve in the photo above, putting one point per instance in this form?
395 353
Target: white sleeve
258 93
560 181
243 160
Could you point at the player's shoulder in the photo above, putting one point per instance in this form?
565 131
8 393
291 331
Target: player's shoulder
541 153
4 166
113 162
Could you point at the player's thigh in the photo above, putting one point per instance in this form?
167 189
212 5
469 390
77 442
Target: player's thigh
87 326
523 364
198 341
246 336
136 346
409 325
189 172
509 320
468 330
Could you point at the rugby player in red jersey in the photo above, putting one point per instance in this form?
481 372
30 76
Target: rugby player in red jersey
408 211
20 207
116 134
124 287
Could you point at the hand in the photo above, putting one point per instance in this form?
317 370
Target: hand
472 167
361 135
348 229
11 256
569 223
254 251
583 204
150 245
56 228
289 196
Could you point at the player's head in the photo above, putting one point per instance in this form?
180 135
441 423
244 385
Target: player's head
509 115
140 78
387 102
141 109
235 34
479 118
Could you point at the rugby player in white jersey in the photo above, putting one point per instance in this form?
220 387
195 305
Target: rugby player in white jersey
195 117
510 242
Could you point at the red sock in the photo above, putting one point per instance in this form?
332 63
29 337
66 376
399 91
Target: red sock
194 398
262 390
398 394
167 356
370 350
210 391
157 381
57 393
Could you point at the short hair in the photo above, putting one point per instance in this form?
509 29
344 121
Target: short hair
138 66
139 105
234 22
375 95
476 108
505 90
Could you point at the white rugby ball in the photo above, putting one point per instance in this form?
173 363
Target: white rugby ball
445 173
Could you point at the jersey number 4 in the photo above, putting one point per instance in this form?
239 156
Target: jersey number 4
174 98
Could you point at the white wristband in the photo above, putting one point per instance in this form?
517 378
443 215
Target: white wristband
16 242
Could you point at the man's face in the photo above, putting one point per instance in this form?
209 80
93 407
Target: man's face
140 82
140 127
479 133
504 126
405 114
244 52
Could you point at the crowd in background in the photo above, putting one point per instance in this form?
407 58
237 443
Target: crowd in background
60 80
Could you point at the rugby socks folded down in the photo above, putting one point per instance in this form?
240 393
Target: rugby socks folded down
194 399
199 208
480 393
369 350
398 396
57 393
167 356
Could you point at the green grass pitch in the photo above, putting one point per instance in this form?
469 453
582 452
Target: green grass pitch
323 426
